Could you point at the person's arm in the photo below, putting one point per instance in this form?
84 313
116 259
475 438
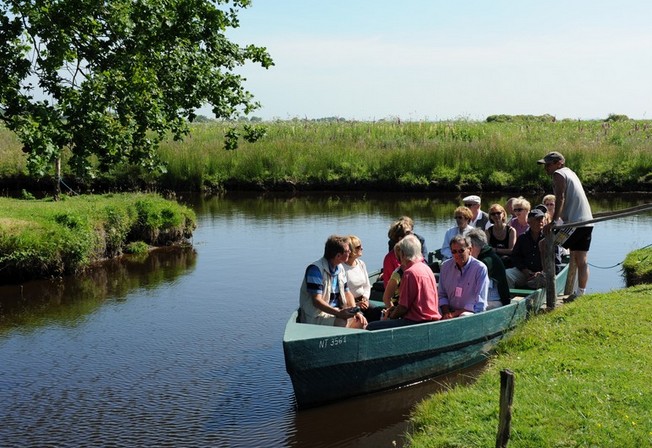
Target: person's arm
321 304
446 247
559 185
398 311
349 300
367 283
511 240
482 282
389 292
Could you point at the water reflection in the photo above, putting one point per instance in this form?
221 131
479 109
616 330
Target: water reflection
183 348
70 299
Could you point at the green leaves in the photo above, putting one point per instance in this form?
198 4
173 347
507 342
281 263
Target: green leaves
115 78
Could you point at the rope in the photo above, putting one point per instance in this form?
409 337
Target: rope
69 189
617 264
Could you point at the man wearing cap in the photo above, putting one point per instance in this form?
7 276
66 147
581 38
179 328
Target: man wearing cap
526 256
480 219
571 205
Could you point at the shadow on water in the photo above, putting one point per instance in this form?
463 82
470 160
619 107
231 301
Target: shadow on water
374 420
69 299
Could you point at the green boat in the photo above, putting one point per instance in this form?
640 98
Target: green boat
327 364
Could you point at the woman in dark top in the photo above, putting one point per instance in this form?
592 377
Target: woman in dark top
501 236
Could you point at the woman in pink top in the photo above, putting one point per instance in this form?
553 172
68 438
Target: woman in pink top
520 207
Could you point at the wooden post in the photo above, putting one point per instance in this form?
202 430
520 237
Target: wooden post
569 288
549 270
506 399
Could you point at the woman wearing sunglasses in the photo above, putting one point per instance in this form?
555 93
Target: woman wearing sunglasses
501 236
520 208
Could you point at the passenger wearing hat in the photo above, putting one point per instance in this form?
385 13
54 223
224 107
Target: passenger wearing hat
526 256
480 219
571 206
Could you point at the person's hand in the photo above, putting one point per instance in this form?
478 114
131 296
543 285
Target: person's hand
360 318
448 315
363 304
548 228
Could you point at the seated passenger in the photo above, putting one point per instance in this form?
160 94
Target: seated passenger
501 236
526 255
409 225
463 218
520 208
396 232
418 296
357 279
391 293
324 297
549 202
498 294
479 219
463 281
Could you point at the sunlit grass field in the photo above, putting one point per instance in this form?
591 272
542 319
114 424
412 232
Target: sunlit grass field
581 380
445 156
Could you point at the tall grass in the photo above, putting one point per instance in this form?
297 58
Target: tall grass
451 156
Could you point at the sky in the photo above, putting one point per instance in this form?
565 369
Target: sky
421 60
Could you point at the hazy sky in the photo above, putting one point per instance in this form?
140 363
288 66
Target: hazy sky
439 60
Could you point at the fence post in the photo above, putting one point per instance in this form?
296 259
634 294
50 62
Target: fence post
572 277
549 269
506 399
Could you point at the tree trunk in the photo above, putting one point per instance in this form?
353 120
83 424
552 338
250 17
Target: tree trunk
57 178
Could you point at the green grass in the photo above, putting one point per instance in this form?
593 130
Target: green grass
443 156
638 266
581 379
40 238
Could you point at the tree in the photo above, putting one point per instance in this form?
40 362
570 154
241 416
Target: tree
109 80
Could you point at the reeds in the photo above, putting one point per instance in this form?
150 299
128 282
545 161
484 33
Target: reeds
447 156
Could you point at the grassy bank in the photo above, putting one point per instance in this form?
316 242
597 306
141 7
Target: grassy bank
581 379
417 156
638 266
41 238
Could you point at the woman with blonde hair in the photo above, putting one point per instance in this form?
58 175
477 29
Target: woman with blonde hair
520 208
357 279
463 217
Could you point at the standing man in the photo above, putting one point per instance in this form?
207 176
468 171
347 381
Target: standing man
463 282
571 205
324 296
480 219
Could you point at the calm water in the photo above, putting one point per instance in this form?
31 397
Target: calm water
183 348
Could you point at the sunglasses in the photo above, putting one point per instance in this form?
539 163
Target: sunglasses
458 251
549 204
469 205
358 247
519 209
496 213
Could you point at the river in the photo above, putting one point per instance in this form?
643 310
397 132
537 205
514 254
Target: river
183 348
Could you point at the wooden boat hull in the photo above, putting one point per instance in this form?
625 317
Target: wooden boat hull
327 364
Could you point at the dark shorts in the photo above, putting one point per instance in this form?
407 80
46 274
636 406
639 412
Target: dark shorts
579 240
